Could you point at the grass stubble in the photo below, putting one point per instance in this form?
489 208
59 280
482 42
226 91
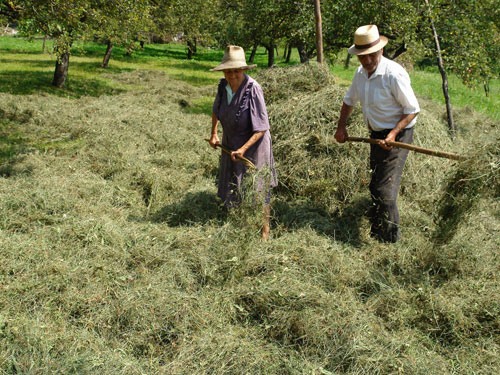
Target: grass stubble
117 259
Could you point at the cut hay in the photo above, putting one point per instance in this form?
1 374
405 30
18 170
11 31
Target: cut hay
118 259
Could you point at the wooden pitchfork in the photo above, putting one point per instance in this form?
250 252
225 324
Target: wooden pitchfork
422 150
228 151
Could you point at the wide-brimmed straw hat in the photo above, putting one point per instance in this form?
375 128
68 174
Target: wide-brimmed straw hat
234 58
367 40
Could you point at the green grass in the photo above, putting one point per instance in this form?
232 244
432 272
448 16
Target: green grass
118 259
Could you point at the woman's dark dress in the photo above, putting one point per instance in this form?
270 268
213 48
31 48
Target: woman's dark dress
245 115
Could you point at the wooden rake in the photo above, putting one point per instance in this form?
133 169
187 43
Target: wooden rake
422 150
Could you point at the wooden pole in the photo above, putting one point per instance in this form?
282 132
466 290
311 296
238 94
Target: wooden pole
407 146
319 30
449 112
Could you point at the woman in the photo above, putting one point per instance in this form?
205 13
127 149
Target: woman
240 108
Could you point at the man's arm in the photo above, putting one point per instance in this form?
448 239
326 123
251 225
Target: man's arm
402 123
341 133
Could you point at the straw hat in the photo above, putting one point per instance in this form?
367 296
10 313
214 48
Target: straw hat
367 40
234 58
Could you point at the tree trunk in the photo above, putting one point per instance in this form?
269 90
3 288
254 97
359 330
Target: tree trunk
44 44
107 55
304 58
191 46
319 31
285 51
61 72
451 124
288 54
401 49
347 61
270 55
486 85
252 54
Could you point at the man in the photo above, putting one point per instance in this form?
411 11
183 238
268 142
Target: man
390 109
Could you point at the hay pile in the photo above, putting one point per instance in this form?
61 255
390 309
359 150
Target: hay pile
330 176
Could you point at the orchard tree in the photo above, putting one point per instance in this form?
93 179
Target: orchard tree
194 20
8 12
121 23
268 22
469 36
464 40
396 19
64 21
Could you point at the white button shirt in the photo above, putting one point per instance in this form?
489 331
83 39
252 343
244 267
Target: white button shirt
385 96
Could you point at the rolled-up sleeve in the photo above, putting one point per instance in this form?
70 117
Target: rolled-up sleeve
258 110
403 93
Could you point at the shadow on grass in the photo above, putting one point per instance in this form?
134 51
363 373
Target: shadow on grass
303 214
200 106
30 82
195 208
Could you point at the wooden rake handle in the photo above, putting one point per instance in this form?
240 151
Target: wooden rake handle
422 150
228 151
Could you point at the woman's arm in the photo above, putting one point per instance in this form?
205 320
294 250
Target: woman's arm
214 139
251 141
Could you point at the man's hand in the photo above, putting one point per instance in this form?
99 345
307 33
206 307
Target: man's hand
214 140
341 134
391 137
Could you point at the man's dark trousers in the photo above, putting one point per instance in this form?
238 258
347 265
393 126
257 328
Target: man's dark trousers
387 168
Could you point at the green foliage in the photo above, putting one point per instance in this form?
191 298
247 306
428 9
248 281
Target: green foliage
122 22
469 37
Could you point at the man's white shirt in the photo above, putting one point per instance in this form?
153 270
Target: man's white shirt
385 96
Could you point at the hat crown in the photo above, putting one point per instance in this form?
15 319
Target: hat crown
234 54
366 34
234 58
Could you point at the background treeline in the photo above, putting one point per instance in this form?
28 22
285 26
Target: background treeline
468 30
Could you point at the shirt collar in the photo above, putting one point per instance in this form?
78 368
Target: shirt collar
381 67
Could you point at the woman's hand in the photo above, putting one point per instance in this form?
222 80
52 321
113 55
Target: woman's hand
214 140
238 154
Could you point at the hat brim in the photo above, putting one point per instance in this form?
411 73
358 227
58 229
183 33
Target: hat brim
377 47
232 65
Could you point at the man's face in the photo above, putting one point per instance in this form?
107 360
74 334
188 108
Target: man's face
370 61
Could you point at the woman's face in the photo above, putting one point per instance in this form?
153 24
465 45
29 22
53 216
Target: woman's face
233 75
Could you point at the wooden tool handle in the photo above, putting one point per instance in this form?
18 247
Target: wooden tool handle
228 151
422 150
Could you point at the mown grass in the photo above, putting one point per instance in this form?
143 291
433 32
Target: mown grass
117 258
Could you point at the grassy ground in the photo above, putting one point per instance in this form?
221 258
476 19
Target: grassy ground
117 259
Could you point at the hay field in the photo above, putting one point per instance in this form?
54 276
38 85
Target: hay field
117 259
